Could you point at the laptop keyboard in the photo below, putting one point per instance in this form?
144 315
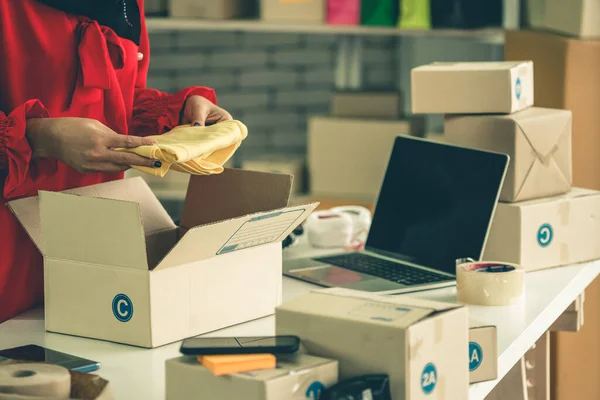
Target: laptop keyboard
388 270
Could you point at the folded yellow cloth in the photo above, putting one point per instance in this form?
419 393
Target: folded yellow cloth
197 150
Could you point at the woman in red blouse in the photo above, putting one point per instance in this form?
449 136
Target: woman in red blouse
72 87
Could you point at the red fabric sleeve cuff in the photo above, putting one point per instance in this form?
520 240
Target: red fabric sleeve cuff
15 152
157 112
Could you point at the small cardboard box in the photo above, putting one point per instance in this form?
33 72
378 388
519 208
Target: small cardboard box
472 87
348 157
483 352
366 105
306 11
280 164
548 232
117 268
580 18
420 344
211 9
296 377
538 141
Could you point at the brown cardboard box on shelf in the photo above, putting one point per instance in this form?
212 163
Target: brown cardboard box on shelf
420 344
301 11
366 105
538 141
141 280
212 9
296 377
483 352
280 164
545 233
472 87
579 18
566 75
347 158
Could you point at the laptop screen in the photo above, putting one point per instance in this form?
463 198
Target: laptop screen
436 203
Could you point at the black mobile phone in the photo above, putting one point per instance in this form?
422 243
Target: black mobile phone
35 353
204 346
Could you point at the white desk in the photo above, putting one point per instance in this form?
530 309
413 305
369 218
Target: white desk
137 373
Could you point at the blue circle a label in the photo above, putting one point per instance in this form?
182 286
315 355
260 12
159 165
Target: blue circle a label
518 89
122 307
475 356
428 378
314 390
545 235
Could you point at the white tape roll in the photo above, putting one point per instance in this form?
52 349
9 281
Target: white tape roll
29 379
361 219
329 229
489 283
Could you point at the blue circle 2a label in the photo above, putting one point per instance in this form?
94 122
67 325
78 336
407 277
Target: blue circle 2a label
428 378
122 307
518 89
314 390
545 235
475 356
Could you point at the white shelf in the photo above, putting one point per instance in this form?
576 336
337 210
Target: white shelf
495 36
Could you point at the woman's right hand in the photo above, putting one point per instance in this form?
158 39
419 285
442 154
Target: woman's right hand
85 144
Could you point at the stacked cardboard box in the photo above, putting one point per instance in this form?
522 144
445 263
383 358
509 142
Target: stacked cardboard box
540 222
348 151
566 74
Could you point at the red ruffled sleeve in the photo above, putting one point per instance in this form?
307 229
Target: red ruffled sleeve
154 111
15 152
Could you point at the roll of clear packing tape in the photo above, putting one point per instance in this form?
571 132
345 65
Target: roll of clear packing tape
36 380
329 229
361 219
489 283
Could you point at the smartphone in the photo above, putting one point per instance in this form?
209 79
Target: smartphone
35 353
242 345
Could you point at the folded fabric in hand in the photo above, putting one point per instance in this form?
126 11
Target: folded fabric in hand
197 150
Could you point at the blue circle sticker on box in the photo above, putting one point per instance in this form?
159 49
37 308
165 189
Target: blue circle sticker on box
518 88
122 307
314 390
475 356
428 378
545 235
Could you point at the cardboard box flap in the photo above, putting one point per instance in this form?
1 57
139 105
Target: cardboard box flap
27 211
236 234
233 193
92 230
543 133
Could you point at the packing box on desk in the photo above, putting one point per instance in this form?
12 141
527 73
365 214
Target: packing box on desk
483 352
116 268
548 232
307 11
566 76
538 141
472 87
348 157
297 377
574 17
422 345
366 105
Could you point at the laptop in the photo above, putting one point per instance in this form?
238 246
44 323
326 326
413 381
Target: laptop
435 206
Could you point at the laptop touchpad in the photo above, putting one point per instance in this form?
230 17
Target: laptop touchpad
330 275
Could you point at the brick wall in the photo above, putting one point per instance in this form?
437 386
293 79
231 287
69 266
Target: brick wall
274 82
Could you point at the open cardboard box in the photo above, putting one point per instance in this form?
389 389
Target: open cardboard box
117 268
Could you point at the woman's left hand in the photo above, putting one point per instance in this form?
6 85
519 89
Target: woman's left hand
201 111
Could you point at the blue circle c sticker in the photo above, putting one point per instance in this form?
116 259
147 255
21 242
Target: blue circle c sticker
428 378
518 89
544 235
475 356
314 390
122 307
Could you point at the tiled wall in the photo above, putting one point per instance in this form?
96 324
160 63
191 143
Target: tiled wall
274 82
